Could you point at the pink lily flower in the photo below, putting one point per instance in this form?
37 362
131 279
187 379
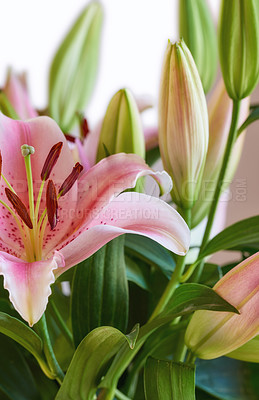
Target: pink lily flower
16 91
45 231
213 334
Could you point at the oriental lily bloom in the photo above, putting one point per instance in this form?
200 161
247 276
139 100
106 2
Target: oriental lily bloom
53 215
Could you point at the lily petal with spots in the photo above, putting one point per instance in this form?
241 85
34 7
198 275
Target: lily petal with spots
72 213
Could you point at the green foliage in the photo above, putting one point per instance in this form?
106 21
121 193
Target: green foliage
151 252
16 379
242 233
90 362
164 380
100 291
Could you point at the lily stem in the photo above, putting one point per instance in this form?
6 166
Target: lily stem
176 276
230 143
60 321
42 328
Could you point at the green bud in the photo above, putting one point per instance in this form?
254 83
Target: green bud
74 68
239 46
198 32
121 129
183 124
6 107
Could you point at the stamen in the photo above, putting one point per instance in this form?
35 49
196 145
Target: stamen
19 207
52 204
84 128
70 180
51 160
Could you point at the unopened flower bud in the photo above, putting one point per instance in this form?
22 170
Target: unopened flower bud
239 46
213 334
17 94
183 123
249 352
121 129
74 68
199 34
220 111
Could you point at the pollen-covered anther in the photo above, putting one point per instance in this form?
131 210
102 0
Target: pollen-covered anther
51 160
52 204
19 207
71 179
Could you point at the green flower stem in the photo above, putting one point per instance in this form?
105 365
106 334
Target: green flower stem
176 276
61 323
42 329
230 143
120 395
146 351
190 359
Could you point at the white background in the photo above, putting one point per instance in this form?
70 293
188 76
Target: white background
134 37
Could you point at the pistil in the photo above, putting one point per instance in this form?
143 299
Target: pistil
33 226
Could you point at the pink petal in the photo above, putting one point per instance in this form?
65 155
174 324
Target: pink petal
41 133
129 213
113 175
83 159
29 283
212 334
16 92
91 144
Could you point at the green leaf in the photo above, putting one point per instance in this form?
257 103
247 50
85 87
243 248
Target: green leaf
253 116
165 380
137 274
150 251
243 233
16 380
90 362
100 291
211 274
187 298
193 296
228 379
22 334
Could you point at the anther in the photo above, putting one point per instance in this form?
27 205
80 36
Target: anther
84 128
71 179
19 207
27 150
52 204
51 160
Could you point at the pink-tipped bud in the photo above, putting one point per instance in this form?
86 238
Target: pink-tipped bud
213 334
